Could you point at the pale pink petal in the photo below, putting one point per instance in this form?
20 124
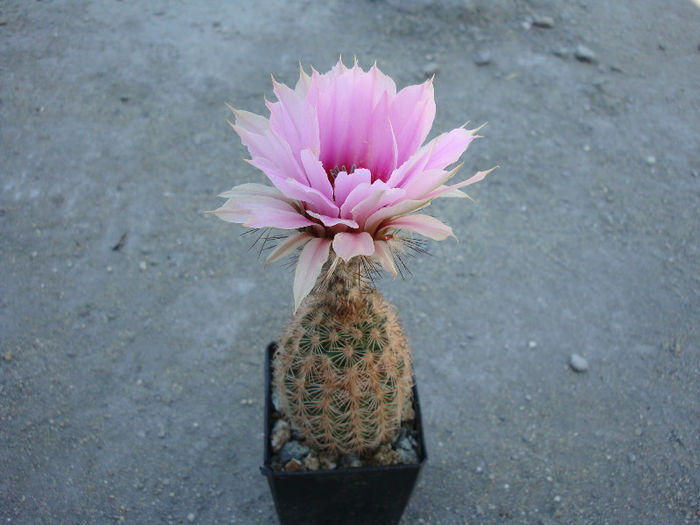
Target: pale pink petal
338 69
382 253
275 151
258 206
275 173
294 119
382 83
332 221
230 214
395 210
252 188
304 82
412 114
448 148
412 168
262 212
290 244
381 149
318 178
448 189
333 118
316 201
437 154
268 218
422 224
429 180
252 196
311 261
251 122
365 199
357 195
453 193
349 245
350 112
376 201
345 182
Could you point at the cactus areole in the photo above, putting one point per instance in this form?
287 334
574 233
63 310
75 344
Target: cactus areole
343 152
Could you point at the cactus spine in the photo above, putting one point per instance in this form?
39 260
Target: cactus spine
343 367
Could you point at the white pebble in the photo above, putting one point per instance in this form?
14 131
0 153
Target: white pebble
584 54
578 363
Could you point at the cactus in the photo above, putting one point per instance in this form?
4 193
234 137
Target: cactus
343 369
343 153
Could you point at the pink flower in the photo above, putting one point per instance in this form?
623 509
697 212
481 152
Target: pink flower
343 152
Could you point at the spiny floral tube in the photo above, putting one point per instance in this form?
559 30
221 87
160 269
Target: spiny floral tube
343 153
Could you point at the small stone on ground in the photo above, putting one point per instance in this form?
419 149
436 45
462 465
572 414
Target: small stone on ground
482 58
578 363
545 22
584 54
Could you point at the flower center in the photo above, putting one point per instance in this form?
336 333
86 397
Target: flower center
333 173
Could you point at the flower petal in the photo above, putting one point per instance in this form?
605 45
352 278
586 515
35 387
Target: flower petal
311 261
422 224
332 221
381 149
273 150
352 108
395 210
294 119
382 253
357 195
437 154
348 245
268 218
262 217
365 199
412 114
429 180
304 82
444 191
316 200
259 206
253 189
316 174
448 148
345 182
290 244
251 122
376 201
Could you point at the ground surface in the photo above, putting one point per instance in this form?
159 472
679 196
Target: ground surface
133 327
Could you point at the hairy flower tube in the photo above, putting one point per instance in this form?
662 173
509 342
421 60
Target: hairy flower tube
343 151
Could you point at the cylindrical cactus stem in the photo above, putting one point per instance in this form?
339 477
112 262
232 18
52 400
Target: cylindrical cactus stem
343 367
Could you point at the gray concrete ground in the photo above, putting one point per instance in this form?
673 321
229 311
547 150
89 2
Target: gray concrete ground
133 327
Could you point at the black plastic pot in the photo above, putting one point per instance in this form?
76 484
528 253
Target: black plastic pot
344 496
